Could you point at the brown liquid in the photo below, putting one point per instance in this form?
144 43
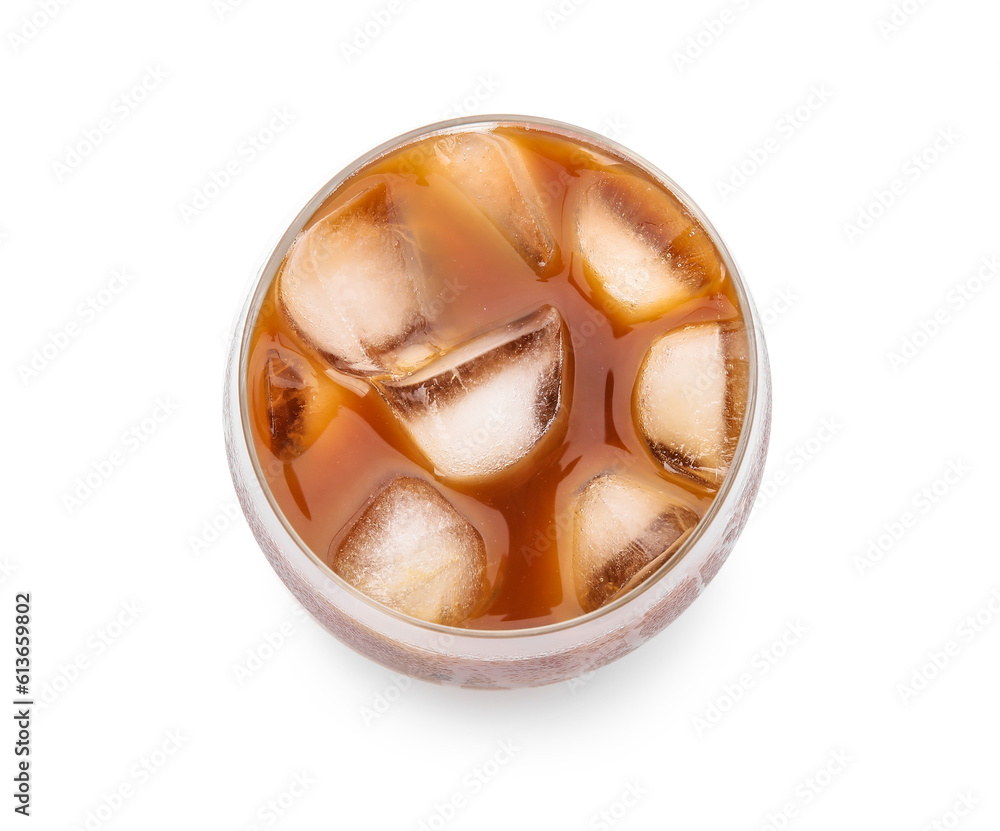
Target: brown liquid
482 280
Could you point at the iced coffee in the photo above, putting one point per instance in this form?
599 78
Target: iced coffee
498 379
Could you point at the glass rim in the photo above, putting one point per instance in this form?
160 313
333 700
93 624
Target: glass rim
276 253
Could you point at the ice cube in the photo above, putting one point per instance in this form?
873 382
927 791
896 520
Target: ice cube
691 396
491 172
352 284
483 406
623 531
295 403
643 253
413 551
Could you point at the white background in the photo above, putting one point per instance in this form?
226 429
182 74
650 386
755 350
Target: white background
858 434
